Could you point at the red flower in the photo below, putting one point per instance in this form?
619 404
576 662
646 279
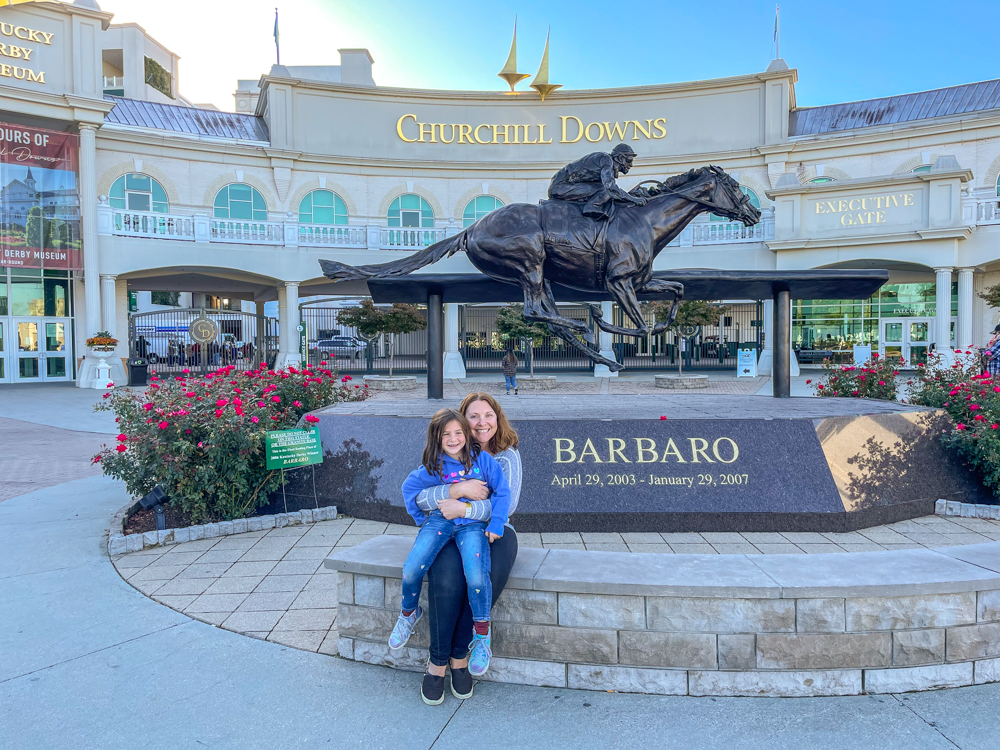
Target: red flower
255 420
218 413
311 419
973 407
881 382
979 417
276 399
662 417
148 406
260 404
275 418
163 425
296 403
121 448
96 459
960 426
346 378
221 402
820 386
122 437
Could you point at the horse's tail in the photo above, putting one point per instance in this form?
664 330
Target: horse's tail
431 254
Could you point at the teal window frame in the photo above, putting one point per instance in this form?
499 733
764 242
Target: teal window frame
478 207
406 209
921 169
323 207
821 180
241 202
136 191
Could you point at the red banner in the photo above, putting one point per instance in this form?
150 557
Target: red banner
39 198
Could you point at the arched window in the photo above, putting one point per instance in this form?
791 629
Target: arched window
478 207
924 168
322 207
410 211
138 192
239 201
998 185
754 201
818 180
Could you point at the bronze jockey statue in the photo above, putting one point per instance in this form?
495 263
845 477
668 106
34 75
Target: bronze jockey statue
591 180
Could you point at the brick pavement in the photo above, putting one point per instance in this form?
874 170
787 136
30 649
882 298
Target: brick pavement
271 585
34 456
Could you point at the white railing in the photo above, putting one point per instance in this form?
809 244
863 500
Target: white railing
409 239
114 82
324 235
726 232
987 211
248 232
147 224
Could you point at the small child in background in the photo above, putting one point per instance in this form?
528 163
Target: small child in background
509 367
451 456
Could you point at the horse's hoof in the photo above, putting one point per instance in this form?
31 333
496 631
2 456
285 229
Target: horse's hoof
615 367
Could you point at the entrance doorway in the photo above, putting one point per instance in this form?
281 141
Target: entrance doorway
36 350
908 338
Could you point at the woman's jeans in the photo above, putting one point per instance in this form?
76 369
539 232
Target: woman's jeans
511 381
450 616
474 548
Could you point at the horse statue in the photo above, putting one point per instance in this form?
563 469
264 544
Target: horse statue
533 246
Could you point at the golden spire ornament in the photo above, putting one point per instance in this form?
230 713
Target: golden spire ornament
509 72
541 83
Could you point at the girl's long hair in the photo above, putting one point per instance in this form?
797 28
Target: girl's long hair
506 436
433 458
511 357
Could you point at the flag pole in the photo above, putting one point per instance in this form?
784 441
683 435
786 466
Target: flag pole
777 32
277 46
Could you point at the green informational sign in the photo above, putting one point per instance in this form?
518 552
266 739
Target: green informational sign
289 449
303 340
133 302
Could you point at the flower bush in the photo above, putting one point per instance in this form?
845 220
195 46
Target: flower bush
102 340
972 399
876 378
202 439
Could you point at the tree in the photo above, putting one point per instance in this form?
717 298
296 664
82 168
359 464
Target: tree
992 295
370 321
34 228
690 313
512 325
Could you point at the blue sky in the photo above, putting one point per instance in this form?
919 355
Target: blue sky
844 51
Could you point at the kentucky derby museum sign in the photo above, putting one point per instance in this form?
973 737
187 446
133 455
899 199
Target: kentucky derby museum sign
807 471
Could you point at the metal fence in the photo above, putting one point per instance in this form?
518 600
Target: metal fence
483 347
330 341
162 337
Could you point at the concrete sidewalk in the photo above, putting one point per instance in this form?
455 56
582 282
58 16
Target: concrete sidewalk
86 661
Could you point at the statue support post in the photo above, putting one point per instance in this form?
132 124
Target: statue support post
435 347
782 370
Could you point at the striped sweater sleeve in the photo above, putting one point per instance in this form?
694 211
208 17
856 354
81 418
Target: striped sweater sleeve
428 501
510 462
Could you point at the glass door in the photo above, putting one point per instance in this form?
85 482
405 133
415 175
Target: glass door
918 337
42 350
3 352
908 339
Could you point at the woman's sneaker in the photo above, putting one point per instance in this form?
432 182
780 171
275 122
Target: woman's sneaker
404 628
480 654
461 683
432 691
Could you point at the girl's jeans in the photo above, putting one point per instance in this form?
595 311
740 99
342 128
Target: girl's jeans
511 381
474 547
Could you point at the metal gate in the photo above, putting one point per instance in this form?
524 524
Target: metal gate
350 352
163 338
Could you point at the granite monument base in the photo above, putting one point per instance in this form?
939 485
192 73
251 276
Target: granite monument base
832 465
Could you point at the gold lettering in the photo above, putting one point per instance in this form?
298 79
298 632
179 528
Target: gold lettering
846 220
526 128
615 448
579 126
660 124
423 125
736 450
908 199
541 134
26 53
644 446
895 200
645 130
5 70
830 208
19 29
478 139
851 205
48 36
589 450
600 132
441 128
841 206
864 204
464 131
7 29
880 217
399 128
612 130
33 36
19 73
819 207
698 448
506 133
672 450
560 450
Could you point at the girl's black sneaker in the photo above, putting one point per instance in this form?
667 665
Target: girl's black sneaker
461 683
432 691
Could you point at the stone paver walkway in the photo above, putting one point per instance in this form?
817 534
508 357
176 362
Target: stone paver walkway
271 584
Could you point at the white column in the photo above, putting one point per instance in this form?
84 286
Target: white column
288 320
766 362
942 322
279 362
454 365
965 334
91 256
108 315
604 344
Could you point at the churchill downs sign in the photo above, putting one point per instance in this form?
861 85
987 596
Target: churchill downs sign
571 129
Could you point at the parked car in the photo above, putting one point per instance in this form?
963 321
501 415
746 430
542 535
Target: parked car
340 346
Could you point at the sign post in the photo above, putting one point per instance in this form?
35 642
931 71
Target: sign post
303 342
290 449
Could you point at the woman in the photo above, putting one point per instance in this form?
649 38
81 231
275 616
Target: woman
450 616
509 367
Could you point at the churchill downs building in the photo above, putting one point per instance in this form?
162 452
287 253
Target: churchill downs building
128 209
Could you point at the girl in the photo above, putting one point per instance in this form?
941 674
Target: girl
509 367
450 456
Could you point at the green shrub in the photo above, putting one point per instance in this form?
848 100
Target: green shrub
202 439
876 379
157 76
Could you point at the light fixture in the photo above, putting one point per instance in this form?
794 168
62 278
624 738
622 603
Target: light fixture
155 500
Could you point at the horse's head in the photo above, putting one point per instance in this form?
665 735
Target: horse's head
716 190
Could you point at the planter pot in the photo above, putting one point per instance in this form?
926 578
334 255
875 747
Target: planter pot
537 383
681 382
395 383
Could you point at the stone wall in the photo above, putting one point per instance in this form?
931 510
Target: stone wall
900 626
